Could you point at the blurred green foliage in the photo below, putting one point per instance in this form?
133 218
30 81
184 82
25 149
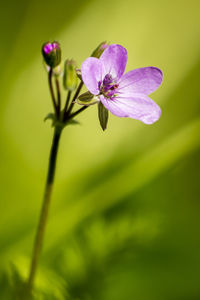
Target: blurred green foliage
125 216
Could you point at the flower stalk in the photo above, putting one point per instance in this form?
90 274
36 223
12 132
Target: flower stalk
67 103
58 93
75 97
45 207
56 107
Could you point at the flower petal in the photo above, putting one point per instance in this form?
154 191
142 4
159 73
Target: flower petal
143 80
114 60
91 72
139 107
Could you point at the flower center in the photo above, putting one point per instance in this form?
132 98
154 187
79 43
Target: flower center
108 86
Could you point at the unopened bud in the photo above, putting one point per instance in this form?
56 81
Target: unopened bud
70 79
52 54
99 50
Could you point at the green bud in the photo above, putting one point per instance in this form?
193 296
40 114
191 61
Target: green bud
52 54
99 50
70 79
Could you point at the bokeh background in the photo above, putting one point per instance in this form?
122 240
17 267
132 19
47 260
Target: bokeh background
125 217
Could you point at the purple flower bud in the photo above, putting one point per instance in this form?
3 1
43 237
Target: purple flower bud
99 50
52 54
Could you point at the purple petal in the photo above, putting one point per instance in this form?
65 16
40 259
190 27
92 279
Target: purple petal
139 107
143 80
114 60
91 72
48 47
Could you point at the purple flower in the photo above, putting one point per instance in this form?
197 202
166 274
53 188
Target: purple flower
123 95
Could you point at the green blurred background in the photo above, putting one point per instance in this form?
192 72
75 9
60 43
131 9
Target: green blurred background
125 215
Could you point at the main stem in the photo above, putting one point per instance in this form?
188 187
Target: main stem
45 208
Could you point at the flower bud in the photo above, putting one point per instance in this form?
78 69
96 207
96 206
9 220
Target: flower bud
52 54
70 79
99 50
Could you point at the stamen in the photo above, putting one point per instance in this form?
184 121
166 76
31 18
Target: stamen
108 86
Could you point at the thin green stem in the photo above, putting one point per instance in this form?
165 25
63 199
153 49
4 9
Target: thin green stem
50 75
66 104
58 93
77 112
45 209
74 98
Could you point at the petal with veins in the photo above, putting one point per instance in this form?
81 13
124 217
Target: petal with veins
91 72
138 106
143 80
114 60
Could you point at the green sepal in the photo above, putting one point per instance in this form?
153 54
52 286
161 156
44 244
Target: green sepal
50 116
72 122
55 122
86 97
103 115
60 124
